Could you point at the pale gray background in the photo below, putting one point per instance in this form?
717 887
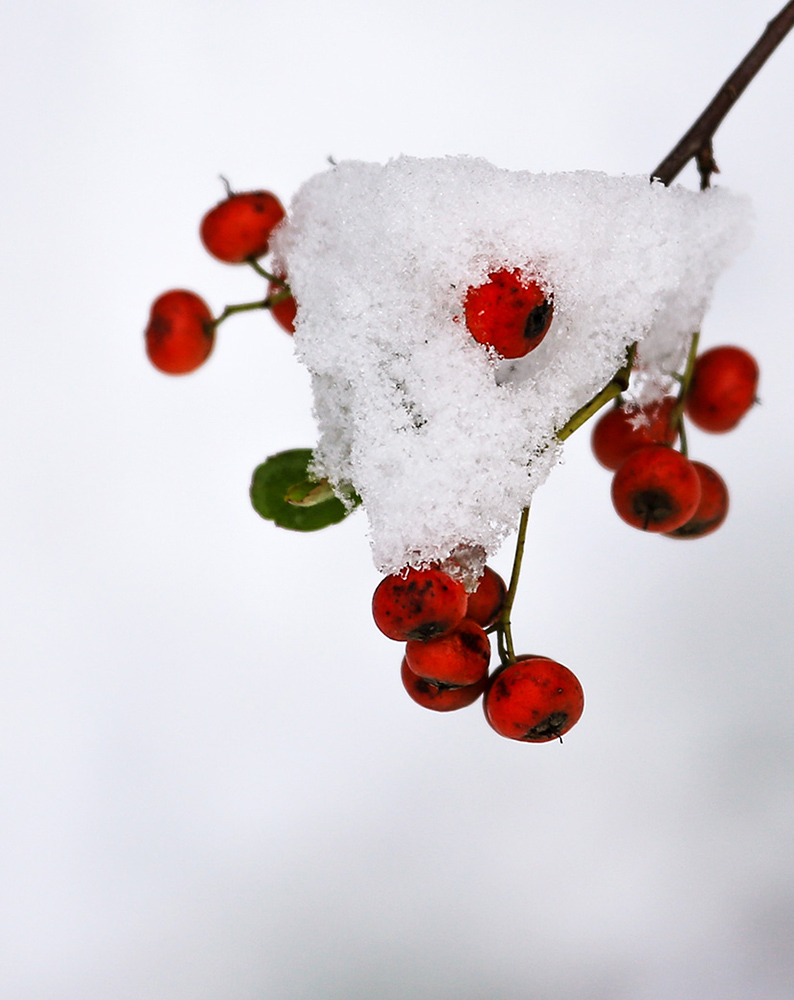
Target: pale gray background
213 786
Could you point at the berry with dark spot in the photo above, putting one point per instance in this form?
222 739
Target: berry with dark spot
418 604
712 509
458 658
656 489
439 697
238 229
534 699
181 332
723 388
509 312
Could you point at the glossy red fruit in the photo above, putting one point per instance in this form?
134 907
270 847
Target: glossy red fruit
723 388
238 229
181 332
622 430
486 602
458 658
436 696
419 604
712 509
534 699
656 489
285 311
510 312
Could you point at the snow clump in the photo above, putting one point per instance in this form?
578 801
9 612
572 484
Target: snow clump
444 441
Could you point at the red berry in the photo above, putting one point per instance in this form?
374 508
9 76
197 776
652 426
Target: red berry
283 312
712 509
438 697
418 604
458 658
622 430
238 229
723 388
181 332
534 699
486 602
510 313
656 489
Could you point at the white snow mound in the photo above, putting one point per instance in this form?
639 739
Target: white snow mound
444 441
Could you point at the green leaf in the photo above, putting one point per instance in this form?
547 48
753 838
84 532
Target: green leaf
279 475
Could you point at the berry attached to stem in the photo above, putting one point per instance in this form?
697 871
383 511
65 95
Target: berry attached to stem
438 697
534 699
622 430
458 658
181 332
282 306
656 489
418 604
238 229
723 388
486 602
712 509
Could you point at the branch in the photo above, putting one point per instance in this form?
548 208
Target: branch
697 142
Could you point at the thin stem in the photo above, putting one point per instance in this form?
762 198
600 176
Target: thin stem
242 307
617 384
507 653
677 413
266 274
697 142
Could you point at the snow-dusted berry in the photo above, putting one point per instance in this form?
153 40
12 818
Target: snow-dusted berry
509 312
418 604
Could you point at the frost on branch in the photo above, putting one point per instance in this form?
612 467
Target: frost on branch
445 442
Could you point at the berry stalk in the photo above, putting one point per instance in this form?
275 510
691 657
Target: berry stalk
504 633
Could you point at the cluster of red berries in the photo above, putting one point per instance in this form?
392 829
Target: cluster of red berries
655 487
181 330
448 653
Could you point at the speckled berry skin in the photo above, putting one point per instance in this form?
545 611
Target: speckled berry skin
534 700
238 229
712 508
180 334
420 604
437 697
656 489
509 312
486 602
460 657
621 430
723 388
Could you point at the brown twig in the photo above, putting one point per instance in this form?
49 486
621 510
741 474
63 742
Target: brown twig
697 142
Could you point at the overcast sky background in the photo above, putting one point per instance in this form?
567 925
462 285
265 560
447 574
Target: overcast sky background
212 785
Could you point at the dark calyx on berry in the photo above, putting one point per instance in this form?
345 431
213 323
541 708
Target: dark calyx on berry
538 322
653 507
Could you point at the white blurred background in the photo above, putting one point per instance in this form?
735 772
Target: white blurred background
212 784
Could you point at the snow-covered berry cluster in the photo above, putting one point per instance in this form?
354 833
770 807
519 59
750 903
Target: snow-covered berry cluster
459 322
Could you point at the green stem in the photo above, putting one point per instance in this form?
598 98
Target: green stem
507 653
242 307
677 414
617 384
266 274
